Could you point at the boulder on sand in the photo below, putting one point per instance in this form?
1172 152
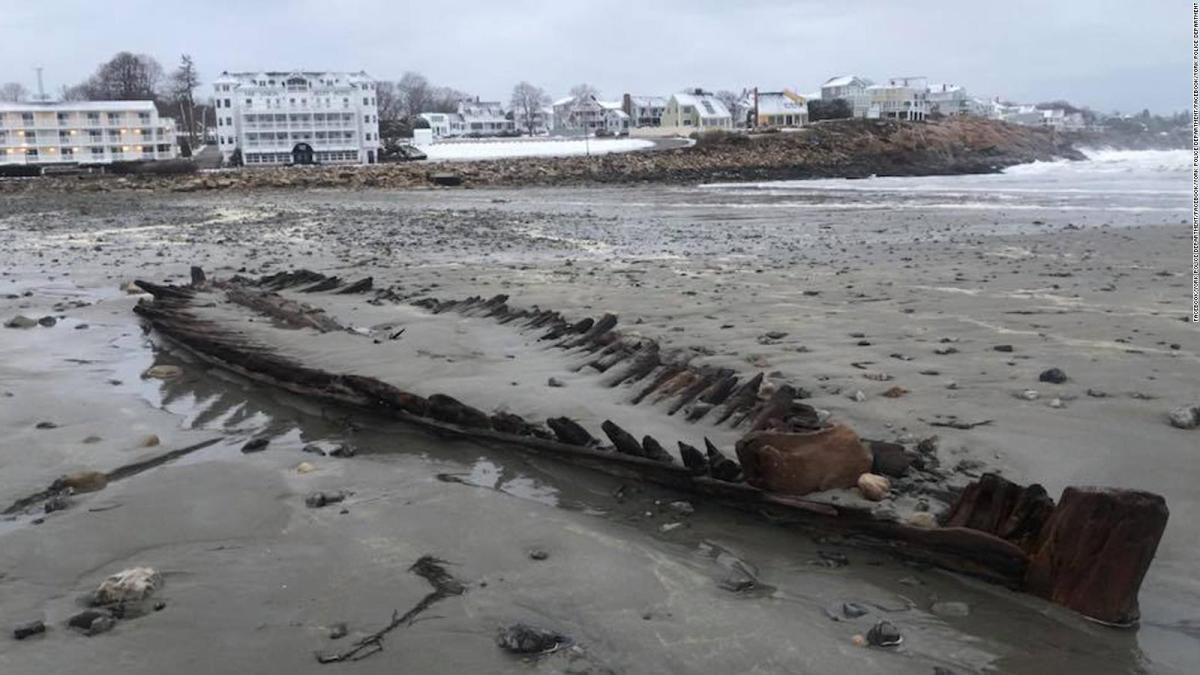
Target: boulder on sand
130 585
873 486
800 463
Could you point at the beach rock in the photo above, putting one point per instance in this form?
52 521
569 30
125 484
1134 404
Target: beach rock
344 450
129 585
520 638
338 631
889 459
1053 376
29 629
45 425
873 486
59 501
1185 417
538 554
923 520
84 621
313 449
555 382
305 467
1003 348
256 444
101 624
1094 550
20 321
47 322
884 634
316 500
682 508
895 392
163 372
81 481
800 463
1028 395
853 610
150 441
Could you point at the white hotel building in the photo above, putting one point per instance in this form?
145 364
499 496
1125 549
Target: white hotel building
297 117
84 132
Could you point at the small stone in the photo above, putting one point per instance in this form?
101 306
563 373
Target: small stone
338 631
952 385
101 624
955 609
859 640
81 326
943 351
256 444
1029 395
46 425
343 451
873 486
47 321
1185 417
853 610
895 392
20 321
667 527
163 372
81 481
522 639
1097 393
923 520
1053 376
84 619
316 500
1057 403
131 288
305 467
1003 348
538 554
92 439
858 396
884 634
29 630
313 450
150 441
555 382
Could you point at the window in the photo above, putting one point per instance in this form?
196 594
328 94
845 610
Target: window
64 136
144 117
93 118
217 103
27 118
95 135
113 134
63 118
220 122
31 152
68 153
228 121
227 100
366 119
365 99
249 102
97 151
114 118
114 151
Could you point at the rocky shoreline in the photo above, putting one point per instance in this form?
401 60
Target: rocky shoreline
841 149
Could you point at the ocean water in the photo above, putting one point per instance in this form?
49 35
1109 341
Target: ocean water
1145 181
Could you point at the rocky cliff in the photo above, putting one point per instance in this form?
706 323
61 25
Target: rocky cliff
843 148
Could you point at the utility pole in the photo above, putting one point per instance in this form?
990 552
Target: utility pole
41 95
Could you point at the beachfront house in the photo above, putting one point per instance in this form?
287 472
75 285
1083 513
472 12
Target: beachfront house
696 109
588 114
297 117
948 99
84 132
778 109
644 111
443 125
852 89
484 118
901 98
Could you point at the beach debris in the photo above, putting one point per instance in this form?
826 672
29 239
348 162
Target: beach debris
1057 402
80 482
520 638
163 372
538 554
873 486
256 444
858 396
958 424
129 585
568 431
29 629
20 321
720 466
1185 417
1000 507
895 392
693 459
444 585
1028 394
804 462
884 634
682 507
316 500
338 630
1053 376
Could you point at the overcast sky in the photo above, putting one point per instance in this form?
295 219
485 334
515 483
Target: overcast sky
1106 54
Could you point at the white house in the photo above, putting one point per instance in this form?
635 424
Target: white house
852 88
84 132
696 109
484 118
443 125
297 117
778 109
948 99
644 111
902 98
588 114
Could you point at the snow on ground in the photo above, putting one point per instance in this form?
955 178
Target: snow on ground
532 148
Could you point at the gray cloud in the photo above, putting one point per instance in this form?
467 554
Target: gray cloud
1109 55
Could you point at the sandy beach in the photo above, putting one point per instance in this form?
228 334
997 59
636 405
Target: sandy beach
872 284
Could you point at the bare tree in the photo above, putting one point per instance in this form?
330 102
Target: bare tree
445 99
731 101
13 92
415 94
388 101
124 77
527 102
584 90
183 87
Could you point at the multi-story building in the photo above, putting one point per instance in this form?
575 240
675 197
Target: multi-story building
902 98
644 111
852 89
588 114
697 108
297 117
473 117
948 99
84 132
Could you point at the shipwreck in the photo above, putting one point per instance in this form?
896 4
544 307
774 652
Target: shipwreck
745 440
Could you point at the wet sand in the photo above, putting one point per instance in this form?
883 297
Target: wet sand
253 578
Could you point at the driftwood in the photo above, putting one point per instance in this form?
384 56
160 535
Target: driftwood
979 548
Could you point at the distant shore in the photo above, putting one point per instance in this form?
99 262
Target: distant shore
836 149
